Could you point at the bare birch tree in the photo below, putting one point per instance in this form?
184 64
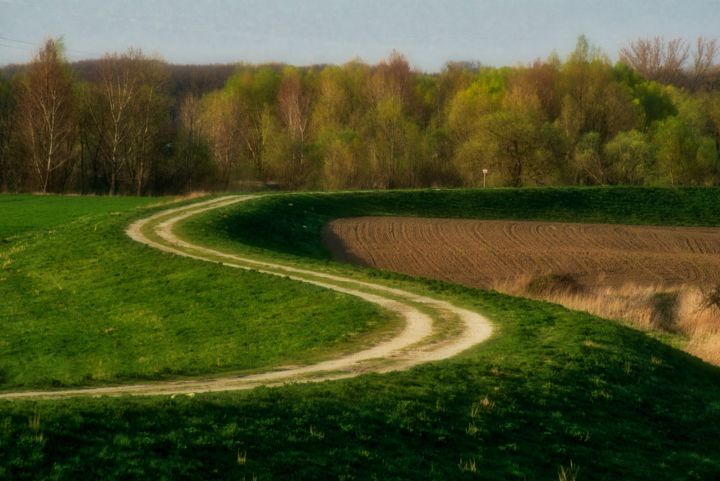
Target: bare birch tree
131 97
703 61
46 114
657 58
149 114
294 106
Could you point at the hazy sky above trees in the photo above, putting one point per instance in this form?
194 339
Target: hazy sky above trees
429 32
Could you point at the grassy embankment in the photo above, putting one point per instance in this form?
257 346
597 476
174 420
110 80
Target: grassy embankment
551 389
293 226
82 304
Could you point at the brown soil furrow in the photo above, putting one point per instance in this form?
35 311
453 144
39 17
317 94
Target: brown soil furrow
480 253
615 271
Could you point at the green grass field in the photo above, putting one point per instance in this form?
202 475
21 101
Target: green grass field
551 388
85 305
23 213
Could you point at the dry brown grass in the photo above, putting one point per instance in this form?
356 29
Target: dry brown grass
682 310
653 278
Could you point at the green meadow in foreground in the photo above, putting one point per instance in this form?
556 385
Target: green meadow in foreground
82 304
555 394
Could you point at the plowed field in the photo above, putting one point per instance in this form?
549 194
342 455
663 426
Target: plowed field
490 253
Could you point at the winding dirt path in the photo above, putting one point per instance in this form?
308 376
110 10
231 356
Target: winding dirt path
433 330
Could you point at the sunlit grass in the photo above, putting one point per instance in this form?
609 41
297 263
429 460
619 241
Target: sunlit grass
553 393
85 305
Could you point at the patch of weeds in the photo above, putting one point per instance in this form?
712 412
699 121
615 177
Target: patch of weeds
711 298
663 310
555 284
568 473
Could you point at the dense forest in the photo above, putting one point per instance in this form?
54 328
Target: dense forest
132 124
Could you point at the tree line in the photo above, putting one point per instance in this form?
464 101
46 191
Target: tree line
125 125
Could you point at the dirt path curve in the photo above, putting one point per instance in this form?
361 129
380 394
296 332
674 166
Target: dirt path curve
433 330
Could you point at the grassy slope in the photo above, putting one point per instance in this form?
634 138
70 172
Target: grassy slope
84 305
551 387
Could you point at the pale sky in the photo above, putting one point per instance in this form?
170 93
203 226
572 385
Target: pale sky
302 32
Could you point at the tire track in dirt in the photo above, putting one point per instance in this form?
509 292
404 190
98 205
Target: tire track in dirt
421 339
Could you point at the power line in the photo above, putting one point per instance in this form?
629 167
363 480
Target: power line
2 37
34 46
18 47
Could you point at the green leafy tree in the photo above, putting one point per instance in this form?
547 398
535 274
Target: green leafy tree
684 155
394 155
220 124
629 157
339 121
713 103
294 165
466 110
511 137
254 92
589 160
343 159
